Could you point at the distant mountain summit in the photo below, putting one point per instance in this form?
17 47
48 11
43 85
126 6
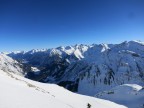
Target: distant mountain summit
86 69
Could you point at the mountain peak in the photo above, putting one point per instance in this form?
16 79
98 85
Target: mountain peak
137 41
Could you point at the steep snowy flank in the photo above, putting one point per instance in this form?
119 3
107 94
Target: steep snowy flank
18 92
9 65
88 69
130 95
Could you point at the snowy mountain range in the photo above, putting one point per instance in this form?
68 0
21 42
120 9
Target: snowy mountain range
105 71
87 69
19 92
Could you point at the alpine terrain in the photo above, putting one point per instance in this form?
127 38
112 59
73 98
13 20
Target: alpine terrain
113 72
19 92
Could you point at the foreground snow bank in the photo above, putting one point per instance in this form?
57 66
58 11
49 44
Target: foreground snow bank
18 92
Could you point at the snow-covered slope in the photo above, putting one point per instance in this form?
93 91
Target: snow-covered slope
130 95
9 65
88 69
18 92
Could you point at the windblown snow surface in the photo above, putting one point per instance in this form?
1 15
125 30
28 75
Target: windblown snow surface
18 92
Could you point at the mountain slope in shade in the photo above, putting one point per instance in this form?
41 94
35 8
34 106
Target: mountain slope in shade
130 95
87 69
17 91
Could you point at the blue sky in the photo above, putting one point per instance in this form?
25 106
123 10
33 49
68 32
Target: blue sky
28 24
